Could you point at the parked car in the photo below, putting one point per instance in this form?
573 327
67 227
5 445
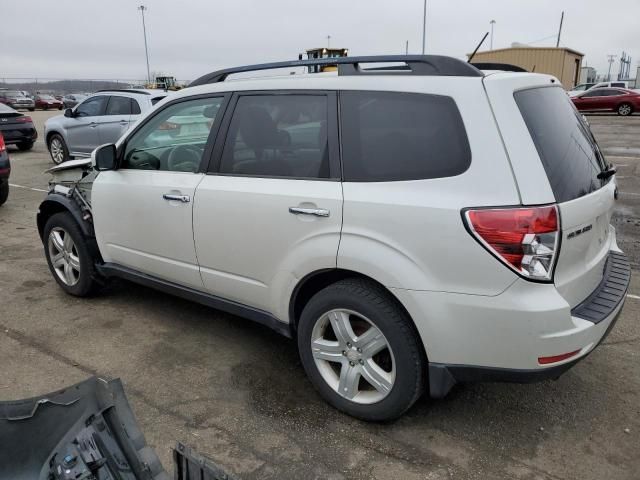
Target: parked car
72 99
100 118
5 171
619 100
16 99
17 129
45 102
411 229
583 87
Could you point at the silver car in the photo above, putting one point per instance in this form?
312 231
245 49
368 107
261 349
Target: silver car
101 118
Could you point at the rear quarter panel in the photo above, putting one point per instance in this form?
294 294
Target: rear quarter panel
410 234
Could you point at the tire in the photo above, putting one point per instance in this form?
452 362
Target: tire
23 147
374 318
32 109
625 109
72 257
58 149
4 191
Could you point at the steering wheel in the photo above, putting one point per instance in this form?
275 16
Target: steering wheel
184 158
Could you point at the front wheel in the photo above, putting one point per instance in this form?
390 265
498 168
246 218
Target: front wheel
361 351
58 149
70 256
625 109
32 109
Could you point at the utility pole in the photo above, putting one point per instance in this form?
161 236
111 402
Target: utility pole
424 27
612 58
142 9
560 29
328 41
492 22
406 47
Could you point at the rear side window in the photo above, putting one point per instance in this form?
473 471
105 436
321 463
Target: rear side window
118 106
135 107
564 142
389 136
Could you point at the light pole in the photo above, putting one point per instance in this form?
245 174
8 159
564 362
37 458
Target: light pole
612 58
142 9
492 22
424 26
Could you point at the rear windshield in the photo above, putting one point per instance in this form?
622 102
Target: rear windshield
388 136
564 142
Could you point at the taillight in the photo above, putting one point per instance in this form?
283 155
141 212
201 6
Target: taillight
525 239
23 119
2 145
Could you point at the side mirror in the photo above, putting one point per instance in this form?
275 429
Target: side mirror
104 157
68 113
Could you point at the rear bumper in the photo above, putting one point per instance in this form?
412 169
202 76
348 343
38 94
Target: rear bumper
18 134
479 338
443 377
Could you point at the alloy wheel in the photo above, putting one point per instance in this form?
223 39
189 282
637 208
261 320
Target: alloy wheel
624 110
57 150
353 356
64 256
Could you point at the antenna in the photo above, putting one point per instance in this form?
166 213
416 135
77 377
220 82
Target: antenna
479 45
560 29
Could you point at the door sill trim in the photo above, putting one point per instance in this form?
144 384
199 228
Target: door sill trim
111 270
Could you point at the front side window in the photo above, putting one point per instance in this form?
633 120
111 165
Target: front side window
118 106
388 136
593 93
174 139
278 136
91 107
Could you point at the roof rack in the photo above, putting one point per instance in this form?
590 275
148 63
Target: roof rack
505 67
425 65
127 90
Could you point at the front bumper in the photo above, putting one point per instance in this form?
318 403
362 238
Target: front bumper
479 338
16 106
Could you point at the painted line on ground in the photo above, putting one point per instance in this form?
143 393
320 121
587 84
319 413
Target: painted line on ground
28 188
635 297
630 193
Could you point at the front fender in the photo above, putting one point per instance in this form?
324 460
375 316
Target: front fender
56 203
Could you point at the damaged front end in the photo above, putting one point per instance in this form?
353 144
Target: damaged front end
86 432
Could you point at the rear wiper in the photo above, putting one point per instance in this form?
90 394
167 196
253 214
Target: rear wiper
609 172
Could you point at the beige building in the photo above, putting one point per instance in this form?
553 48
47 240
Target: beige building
563 63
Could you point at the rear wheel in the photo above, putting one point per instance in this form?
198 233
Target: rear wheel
24 146
361 351
4 190
58 149
625 109
32 109
70 256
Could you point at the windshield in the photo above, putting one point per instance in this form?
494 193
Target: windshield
46 97
13 94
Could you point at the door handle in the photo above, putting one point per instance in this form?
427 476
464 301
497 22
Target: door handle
317 212
179 198
93 124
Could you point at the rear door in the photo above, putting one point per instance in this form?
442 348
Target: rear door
143 210
82 128
556 160
270 209
115 121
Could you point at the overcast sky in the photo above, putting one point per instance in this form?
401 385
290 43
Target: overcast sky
103 39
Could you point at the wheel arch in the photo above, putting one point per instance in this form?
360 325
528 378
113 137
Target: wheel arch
56 203
315 281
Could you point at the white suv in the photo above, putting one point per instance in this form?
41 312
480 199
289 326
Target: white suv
412 225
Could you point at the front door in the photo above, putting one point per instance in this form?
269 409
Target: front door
143 210
82 128
271 209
